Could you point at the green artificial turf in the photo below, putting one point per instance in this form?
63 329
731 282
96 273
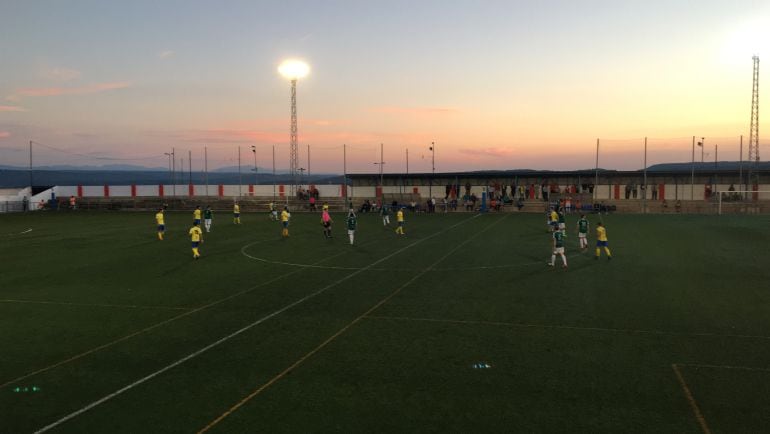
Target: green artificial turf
383 336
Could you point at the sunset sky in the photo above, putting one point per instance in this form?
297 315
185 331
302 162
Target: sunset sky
496 84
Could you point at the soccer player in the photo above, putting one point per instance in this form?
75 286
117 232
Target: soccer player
208 215
326 221
558 249
582 227
236 214
601 241
197 215
285 216
196 236
400 221
562 222
273 212
553 220
161 225
351 223
385 213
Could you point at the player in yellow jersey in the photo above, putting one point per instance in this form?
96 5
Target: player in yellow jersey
400 221
196 236
161 224
285 216
197 215
553 220
236 214
601 241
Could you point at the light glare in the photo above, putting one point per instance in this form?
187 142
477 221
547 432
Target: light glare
294 69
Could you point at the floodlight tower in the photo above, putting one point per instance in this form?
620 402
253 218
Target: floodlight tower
754 129
293 70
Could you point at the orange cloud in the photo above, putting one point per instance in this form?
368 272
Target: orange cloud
11 108
82 90
4 134
416 111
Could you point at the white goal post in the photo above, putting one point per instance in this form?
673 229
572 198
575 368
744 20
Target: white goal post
741 200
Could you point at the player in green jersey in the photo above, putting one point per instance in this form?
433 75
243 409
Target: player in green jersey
558 249
351 223
582 227
208 215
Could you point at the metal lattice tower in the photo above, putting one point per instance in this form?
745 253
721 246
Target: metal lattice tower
294 151
754 131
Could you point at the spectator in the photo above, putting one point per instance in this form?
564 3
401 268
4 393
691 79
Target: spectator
654 192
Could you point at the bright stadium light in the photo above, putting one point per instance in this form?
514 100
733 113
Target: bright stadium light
294 69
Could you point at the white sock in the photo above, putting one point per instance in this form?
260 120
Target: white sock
553 259
351 238
564 259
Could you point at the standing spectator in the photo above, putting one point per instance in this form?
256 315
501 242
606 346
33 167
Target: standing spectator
312 203
654 192
73 203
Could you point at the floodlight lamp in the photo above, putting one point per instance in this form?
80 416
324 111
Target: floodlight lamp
293 69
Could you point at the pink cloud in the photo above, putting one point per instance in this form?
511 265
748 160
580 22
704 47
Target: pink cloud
487 152
4 134
11 108
416 111
82 90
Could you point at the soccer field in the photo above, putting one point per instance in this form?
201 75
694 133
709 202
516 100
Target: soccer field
459 326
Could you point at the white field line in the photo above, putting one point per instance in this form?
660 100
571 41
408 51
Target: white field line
576 328
236 333
340 332
65 303
19 233
154 326
738 368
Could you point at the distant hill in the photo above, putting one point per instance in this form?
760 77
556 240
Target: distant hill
106 167
720 165
20 178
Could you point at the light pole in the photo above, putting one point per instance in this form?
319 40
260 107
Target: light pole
293 70
382 187
240 181
170 173
173 172
702 145
254 151
433 167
